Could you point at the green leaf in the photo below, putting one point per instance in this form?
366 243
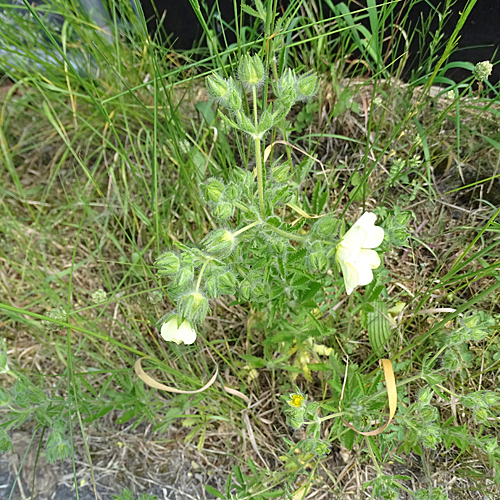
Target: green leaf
5 441
253 361
129 415
379 327
214 492
206 111
356 179
311 291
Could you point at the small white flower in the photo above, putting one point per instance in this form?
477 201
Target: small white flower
354 255
173 333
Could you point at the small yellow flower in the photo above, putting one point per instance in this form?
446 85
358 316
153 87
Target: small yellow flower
296 400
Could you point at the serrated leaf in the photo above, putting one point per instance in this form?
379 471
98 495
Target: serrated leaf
319 197
190 421
281 195
311 291
249 10
300 280
299 255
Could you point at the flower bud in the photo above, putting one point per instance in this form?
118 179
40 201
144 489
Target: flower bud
307 85
326 228
246 125
214 190
321 448
219 243
425 395
281 172
450 360
491 398
212 286
481 416
184 276
286 88
193 306
224 210
266 122
431 436
232 192
217 86
490 445
319 261
57 447
235 99
429 414
5 441
227 283
167 263
245 289
251 71
482 70
468 401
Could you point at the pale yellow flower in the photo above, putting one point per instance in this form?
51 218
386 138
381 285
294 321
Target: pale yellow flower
171 332
354 254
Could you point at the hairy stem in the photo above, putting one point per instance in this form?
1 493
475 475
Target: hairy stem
258 156
246 228
202 270
286 234
260 176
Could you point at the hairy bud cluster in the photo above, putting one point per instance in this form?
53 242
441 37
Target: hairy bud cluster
291 88
221 197
252 75
226 91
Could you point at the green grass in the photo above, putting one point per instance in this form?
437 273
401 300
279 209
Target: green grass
100 174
